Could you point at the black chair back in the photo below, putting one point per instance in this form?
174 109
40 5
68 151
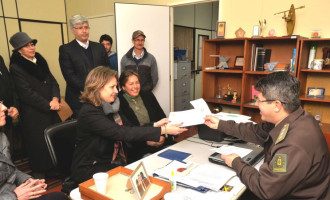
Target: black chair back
60 139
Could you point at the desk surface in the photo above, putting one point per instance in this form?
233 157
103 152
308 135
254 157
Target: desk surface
200 151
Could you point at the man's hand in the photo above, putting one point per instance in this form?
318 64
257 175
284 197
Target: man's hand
54 104
13 112
30 189
211 121
229 158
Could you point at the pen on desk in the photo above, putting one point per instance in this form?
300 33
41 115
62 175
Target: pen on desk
224 186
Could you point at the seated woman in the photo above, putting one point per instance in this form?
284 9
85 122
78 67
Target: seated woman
102 130
15 184
141 108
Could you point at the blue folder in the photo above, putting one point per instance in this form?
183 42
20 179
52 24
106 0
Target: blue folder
174 155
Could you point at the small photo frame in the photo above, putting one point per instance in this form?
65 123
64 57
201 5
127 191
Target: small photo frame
256 31
140 181
221 28
315 92
239 61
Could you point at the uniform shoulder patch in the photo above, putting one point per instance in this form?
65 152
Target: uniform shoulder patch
280 163
283 132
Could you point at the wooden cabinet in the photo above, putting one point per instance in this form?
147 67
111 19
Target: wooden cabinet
315 78
241 80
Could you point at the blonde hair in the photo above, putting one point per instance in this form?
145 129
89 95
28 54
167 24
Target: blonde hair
96 79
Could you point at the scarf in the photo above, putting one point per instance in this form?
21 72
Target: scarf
119 157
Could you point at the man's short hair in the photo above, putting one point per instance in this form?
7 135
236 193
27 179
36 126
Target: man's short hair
281 86
137 34
77 19
106 37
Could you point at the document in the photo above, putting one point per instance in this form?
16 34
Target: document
200 176
191 117
229 149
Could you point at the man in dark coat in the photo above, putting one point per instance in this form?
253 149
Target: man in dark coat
8 96
297 159
77 59
39 95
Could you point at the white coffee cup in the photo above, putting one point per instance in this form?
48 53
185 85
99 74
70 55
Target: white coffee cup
100 180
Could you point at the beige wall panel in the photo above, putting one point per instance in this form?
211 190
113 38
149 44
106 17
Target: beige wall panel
1 13
46 10
49 38
12 28
215 13
103 25
65 33
3 43
203 16
9 7
245 14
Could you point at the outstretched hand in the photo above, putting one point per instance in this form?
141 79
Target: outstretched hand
161 122
229 158
30 189
211 121
174 129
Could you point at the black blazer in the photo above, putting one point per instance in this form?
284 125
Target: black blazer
7 89
96 135
75 68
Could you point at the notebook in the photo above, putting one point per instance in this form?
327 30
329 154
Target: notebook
174 155
256 154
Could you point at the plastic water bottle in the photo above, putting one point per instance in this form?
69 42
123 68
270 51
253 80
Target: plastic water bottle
172 181
312 53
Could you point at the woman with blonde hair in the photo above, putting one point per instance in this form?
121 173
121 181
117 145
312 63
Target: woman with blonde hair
102 130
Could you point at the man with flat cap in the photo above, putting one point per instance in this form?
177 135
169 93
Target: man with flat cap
138 59
77 59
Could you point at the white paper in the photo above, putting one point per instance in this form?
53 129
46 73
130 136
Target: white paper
229 149
191 117
235 117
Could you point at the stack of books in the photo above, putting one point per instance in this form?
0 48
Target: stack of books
260 56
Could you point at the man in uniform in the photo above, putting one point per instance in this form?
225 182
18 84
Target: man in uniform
296 164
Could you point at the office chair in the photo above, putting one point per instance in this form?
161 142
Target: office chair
60 139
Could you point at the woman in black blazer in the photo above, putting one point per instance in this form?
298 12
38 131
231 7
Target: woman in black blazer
141 108
102 130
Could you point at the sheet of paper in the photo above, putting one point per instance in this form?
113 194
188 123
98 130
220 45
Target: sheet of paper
188 117
201 106
229 149
230 116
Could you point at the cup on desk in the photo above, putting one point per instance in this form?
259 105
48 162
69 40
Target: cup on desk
100 180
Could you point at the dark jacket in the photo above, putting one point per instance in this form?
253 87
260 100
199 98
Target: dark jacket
7 89
96 135
155 112
306 172
146 68
75 67
10 177
35 86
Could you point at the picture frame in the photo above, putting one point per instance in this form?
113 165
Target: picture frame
239 61
221 29
140 181
315 92
256 31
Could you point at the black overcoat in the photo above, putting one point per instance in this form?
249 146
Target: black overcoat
35 86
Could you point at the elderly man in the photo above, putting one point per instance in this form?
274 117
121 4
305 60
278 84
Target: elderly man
15 184
77 59
297 160
106 40
138 59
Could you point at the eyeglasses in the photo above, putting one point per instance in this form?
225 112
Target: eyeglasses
138 40
258 101
82 28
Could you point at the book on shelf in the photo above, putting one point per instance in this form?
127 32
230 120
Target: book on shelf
262 56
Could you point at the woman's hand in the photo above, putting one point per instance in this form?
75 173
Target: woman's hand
54 104
211 121
161 122
13 112
173 129
156 144
30 189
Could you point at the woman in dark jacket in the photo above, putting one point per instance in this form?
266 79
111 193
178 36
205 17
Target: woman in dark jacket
141 108
38 94
102 130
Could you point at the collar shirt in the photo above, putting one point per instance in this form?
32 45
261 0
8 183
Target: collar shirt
85 46
136 56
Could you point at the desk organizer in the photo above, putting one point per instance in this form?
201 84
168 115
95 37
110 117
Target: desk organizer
116 187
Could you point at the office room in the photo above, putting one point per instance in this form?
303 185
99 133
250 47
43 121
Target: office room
196 59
